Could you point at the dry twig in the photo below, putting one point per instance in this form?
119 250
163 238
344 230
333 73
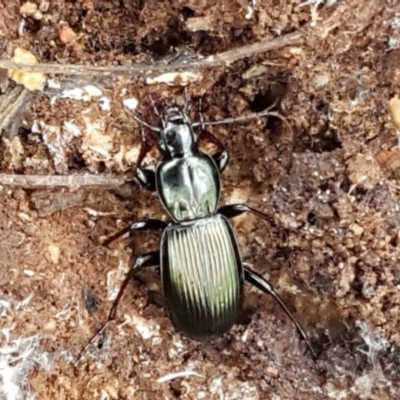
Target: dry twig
72 182
226 57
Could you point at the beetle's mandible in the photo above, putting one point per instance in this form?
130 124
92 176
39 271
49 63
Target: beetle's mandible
201 268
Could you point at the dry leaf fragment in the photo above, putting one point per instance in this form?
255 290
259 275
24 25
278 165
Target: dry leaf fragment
394 108
31 80
67 34
364 170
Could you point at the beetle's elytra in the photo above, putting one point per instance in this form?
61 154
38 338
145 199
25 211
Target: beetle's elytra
203 300
201 268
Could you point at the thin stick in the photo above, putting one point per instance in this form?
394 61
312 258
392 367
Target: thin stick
226 57
58 181
181 374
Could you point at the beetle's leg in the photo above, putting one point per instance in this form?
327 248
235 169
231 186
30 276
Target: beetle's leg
201 116
259 282
233 210
155 109
221 158
147 224
144 225
211 138
145 176
145 260
186 106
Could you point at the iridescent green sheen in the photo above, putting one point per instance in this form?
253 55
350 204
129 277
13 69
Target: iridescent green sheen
202 276
189 187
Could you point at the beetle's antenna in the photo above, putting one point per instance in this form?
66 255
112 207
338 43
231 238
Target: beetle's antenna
142 133
242 118
160 117
234 119
154 106
186 106
201 116
144 123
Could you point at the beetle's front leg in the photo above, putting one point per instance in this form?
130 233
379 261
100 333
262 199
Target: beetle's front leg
146 260
221 157
147 178
259 282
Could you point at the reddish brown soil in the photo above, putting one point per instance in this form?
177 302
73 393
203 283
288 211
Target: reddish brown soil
331 185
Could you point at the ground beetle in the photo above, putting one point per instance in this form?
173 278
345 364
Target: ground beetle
201 268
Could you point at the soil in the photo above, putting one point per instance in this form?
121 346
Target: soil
325 165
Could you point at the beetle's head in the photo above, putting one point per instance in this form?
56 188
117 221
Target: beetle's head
177 137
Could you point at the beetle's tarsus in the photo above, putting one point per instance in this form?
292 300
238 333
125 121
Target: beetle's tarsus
89 251
90 341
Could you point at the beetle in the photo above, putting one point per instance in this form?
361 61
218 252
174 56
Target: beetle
201 268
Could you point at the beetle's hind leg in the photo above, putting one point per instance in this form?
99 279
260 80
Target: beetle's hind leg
259 282
146 260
